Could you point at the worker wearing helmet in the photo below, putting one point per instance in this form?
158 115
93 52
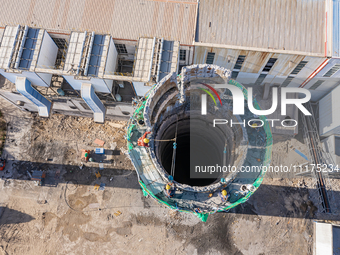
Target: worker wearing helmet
256 127
169 190
224 195
144 141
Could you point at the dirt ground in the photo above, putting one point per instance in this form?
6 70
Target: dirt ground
68 216
2 132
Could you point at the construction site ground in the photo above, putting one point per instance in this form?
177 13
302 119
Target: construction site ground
66 215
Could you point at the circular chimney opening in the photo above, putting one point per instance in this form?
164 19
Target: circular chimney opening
198 145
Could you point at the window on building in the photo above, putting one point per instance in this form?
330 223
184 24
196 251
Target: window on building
61 43
210 58
286 82
182 55
316 85
298 68
121 48
332 71
180 68
85 106
239 62
234 75
269 64
337 148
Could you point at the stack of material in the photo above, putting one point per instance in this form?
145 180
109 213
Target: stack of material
99 150
38 175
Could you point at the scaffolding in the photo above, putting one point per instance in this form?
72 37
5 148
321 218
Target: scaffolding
133 127
319 158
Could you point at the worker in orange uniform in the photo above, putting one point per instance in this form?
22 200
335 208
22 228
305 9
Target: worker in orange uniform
144 141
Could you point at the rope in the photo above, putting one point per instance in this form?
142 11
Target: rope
174 153
168 140
224 154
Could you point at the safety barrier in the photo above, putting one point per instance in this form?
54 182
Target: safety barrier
204 215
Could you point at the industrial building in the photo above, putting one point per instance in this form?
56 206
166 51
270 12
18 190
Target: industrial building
326 238
329 123
106 53
284 43
62 69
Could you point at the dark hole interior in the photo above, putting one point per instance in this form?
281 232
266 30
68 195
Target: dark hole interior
205 150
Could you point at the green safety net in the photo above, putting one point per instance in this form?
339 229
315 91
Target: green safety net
267 158
131 126
138 114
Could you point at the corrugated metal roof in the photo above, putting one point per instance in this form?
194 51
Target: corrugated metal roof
336 28
75 51
7 45
168 63
291 25
124 19
144 58
2 30
28 49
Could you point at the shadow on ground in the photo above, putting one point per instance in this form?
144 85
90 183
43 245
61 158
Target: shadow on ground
283 201
268 200
60 173
10 216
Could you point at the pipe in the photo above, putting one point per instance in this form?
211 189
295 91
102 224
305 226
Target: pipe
81 52
160 60
23 40
151 60
89 54
313 74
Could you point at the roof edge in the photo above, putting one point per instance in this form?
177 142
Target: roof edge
234 47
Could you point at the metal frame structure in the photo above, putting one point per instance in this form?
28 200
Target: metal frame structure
318 156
